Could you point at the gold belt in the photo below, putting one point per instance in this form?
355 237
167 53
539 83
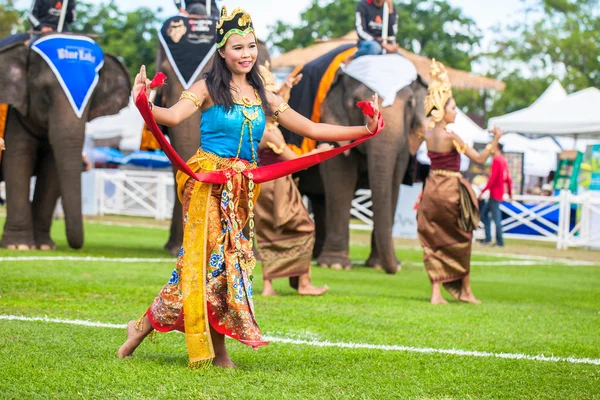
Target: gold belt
222 163
445 172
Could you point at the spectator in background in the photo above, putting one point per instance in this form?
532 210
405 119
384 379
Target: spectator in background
369 26
499 183
45 14
547 189
197 7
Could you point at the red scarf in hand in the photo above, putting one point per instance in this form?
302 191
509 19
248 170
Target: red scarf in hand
260 174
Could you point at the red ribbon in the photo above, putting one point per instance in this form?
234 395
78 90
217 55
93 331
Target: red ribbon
260 174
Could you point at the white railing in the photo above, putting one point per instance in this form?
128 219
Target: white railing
586 232
132 192
361 210
151 194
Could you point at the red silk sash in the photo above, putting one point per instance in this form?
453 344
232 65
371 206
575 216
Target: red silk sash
260 174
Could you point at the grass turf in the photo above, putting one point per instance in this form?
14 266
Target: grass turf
544 309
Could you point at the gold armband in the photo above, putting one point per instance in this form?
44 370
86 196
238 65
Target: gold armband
490 148
461 149
276 149
187 95
281 108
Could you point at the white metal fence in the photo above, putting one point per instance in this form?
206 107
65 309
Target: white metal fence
138 193
566 219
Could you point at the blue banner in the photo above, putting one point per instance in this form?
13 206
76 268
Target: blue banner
76 61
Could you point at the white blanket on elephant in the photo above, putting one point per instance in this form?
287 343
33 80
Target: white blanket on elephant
386 74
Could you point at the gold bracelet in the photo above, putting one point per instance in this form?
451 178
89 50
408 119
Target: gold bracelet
187 95
276 149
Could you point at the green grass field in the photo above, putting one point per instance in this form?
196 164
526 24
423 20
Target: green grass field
548 309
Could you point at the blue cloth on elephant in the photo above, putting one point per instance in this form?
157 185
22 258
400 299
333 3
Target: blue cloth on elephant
76 61
217 124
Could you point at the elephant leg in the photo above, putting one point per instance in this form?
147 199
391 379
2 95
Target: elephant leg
176 231
385 187
19 162
44 200
340 175
317 205
374 259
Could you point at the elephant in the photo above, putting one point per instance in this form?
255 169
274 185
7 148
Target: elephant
185 137
382 161
44 137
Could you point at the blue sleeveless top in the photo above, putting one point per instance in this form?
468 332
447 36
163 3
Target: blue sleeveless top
220 130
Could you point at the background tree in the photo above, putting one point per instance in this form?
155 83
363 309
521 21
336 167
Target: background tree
433 28
11 19
557 39
131 36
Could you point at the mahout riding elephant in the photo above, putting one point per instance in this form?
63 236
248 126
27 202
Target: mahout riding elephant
44 137
185 137
382 161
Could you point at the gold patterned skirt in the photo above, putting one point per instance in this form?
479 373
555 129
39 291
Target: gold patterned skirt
284 230
448 205
212 281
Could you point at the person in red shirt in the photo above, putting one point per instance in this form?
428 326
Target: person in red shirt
498 184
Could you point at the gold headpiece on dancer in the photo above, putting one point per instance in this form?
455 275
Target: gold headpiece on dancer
267 77
238 22
440 91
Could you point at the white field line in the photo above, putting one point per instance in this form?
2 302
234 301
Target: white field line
89 259
549 260
519 263
344 345
162 260
128 225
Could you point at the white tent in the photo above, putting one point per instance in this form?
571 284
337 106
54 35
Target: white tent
127 124
540 154
574 115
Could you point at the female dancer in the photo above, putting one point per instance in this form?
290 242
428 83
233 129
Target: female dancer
209 294
284 230
448 212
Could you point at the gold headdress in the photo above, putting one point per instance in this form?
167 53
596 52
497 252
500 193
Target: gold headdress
238 22
267 77
440 91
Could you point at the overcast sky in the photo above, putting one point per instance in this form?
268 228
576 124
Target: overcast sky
486 13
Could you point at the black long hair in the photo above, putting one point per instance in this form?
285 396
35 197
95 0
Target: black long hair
218 82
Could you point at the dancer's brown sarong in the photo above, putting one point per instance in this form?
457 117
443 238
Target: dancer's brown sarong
284 230
448 203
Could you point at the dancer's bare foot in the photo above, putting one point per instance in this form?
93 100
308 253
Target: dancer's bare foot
337 267
438 300
223 361
310 290
469 298
269 292
134 338
268 288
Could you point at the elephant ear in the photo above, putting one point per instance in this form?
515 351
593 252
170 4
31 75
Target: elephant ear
13 77
113 90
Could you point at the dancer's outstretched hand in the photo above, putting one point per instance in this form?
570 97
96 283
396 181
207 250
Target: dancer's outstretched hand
141 83
372 120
